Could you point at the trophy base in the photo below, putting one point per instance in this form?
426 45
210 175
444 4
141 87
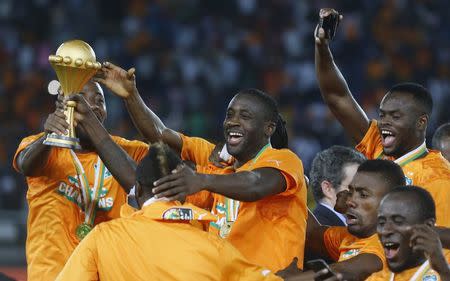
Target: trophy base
62 141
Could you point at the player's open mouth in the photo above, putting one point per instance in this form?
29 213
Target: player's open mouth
391 249
234 138
387 138
351 219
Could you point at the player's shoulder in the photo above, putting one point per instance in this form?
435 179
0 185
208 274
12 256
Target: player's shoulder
340 235
282 153
338 230
435 162
282 158
32 138
113 226
123 142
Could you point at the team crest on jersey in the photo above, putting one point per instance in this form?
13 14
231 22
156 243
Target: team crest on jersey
178 214
430 277
408 181
351 253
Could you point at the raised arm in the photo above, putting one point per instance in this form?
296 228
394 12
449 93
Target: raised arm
35 155
243 186
123 84
334 88
118 162
427 240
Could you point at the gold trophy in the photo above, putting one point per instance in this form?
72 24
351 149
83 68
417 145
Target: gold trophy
74 64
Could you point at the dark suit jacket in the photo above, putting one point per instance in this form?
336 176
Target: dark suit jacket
326 216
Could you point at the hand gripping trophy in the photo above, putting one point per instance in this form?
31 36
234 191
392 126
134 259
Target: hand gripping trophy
74 64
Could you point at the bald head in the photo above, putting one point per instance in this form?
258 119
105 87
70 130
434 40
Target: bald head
441 140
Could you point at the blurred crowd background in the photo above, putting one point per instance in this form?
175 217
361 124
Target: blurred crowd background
192 56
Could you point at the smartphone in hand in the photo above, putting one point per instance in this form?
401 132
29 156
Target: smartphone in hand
329 25
318 265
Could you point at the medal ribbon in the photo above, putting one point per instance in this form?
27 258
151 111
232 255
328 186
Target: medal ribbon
408 157
232 206
422 269
89 200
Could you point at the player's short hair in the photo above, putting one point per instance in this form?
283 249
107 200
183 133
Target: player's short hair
388 171
420 199
419 93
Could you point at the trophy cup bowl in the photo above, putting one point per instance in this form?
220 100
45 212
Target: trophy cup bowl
74 63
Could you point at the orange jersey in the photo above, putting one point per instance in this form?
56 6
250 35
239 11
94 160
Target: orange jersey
420 273
54 201
430 171
341 245
159 243
269 232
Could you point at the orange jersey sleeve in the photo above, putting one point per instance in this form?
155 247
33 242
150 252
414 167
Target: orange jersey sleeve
284 161
196 150
371 145
332 238
341 245
23 144
372 245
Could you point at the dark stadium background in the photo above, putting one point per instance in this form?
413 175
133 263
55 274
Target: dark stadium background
191 56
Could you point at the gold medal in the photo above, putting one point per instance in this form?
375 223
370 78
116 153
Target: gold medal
225 229
83 230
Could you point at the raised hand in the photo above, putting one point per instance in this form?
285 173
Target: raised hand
56 123
319 32
425 239
83 111
182 182
121 82
61 102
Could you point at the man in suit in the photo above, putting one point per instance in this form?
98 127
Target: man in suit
331 172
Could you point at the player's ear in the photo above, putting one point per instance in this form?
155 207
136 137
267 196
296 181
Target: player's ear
430 222
270 128
422 122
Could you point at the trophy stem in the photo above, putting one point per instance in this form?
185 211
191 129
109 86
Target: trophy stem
69 117
68 140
